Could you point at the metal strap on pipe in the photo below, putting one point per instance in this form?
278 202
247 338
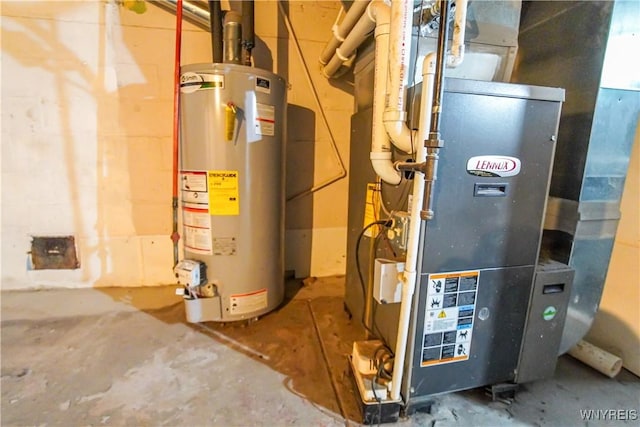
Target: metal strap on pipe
343 29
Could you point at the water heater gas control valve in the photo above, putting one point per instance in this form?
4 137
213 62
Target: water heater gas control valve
191 273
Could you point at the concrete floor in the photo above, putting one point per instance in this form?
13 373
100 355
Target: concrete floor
127 357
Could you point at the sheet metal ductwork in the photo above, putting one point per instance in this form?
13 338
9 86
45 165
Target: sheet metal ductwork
588 51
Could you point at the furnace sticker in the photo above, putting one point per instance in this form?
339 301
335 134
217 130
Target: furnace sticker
449 313
371 209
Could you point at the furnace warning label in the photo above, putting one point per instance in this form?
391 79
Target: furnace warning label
248 303
223 192
265 122
371 209
448 320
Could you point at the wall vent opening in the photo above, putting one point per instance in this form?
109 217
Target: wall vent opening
54 253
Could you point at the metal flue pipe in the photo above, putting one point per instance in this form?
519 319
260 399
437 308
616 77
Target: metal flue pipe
215 21
232 30
248 35
193 11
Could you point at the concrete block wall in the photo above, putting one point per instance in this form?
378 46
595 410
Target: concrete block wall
87 134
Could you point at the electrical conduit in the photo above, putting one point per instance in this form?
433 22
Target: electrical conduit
175 236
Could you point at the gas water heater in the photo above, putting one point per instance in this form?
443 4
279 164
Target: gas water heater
232 191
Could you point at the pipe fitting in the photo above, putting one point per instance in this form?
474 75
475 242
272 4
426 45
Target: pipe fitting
394 116
342 57
336 33
381 30
382 165
341 31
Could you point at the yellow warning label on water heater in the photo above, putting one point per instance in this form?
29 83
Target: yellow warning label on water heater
223 192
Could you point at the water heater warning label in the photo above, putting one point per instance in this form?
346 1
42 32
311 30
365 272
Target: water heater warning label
248 303
448 320
195 212
265 120
223 192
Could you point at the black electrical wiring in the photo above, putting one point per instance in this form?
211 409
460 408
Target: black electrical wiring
385 223
381 356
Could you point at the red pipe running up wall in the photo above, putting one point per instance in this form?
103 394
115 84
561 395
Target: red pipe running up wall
175 236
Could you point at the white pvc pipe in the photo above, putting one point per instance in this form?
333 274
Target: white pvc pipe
395 115
380 156
457 45
599 359
358 34
411 263
341 31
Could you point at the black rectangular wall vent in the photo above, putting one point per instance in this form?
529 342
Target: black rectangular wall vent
54 253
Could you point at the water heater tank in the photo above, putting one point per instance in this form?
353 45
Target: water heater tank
232 191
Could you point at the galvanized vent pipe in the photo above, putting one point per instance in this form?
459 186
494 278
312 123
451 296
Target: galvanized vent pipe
232 34
194 11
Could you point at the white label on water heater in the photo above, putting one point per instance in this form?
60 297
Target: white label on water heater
225 246
248 303
197 240
195 212
265 120
494 166
194 180
448 317
191 82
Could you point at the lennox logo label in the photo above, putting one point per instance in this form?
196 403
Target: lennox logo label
500 166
